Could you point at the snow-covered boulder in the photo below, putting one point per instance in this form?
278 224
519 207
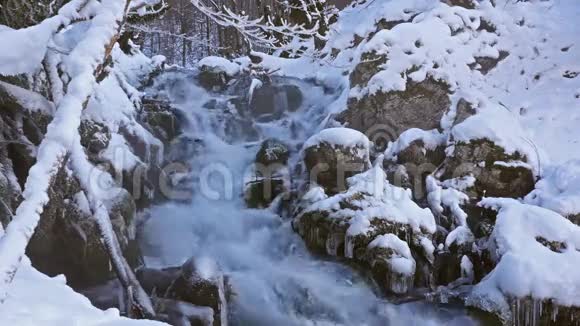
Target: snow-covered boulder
272 151
335 154
496 172
535 280
346 223
559 190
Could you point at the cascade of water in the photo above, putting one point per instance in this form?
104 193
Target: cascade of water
274 280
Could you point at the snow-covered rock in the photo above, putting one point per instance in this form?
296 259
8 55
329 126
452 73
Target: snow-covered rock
537 261
335 154
346 223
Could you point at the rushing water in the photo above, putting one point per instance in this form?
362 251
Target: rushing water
275 280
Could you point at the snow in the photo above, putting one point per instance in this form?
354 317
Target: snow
31 101
526 267
119 154
24 49
401 261
380 200
219 63
559 190
36 299
467 268
450 197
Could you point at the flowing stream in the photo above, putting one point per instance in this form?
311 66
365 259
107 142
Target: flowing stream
273 277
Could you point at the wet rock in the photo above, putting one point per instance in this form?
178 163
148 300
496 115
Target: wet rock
467 4
197 282
384 116
213 78
260 193
161 119
270 101
270 177
480 158
329 235
391 263
67 240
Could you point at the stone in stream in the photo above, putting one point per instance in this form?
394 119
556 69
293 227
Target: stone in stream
198 282
270 175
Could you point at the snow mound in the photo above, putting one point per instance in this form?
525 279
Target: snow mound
57 305
559 189
538 256
24 49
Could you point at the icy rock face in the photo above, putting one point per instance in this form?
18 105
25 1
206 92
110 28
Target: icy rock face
270 174
162 120
529 311
384 116
333 155
392 263
197 282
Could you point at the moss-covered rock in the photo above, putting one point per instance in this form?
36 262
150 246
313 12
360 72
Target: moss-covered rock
384 116
272 151
490 165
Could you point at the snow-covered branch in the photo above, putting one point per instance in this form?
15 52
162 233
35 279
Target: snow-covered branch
257 31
